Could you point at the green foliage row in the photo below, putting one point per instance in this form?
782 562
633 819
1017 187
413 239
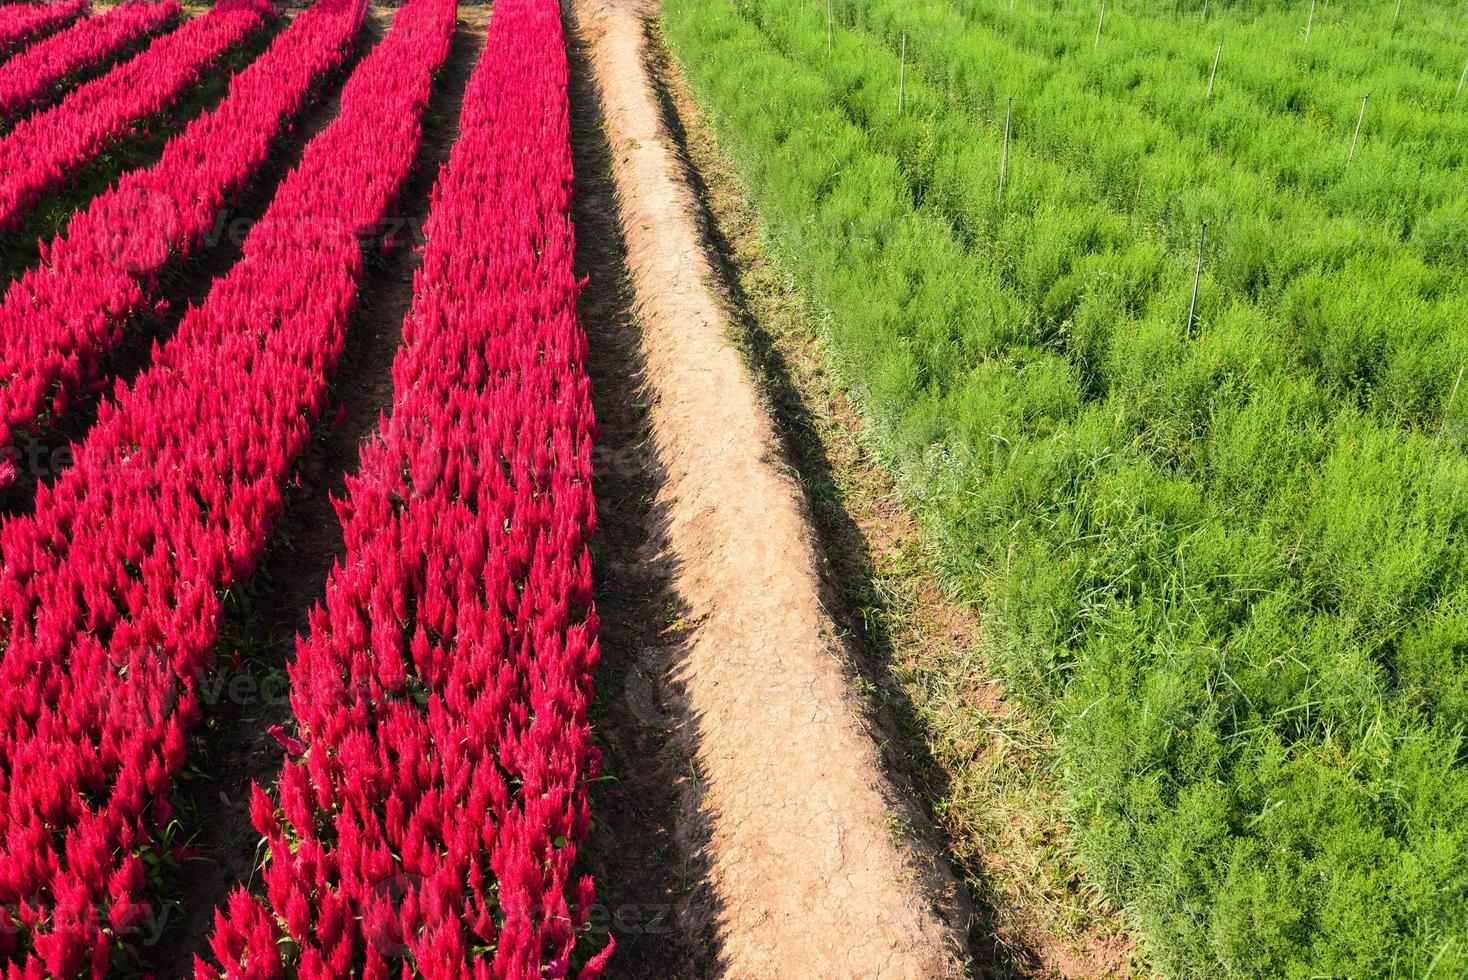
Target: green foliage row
1285 106
1386 323
1236 593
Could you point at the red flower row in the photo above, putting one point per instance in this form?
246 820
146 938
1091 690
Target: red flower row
22 22
27 77
59 318
111 592
43 149
431 824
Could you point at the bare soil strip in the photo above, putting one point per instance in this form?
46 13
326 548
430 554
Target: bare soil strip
811 871
243 702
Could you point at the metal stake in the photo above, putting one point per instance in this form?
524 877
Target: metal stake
1101 20
902 76
1310 20
1214 74
1004 160
1197 276
1451 398
829 30
1461 79
1359 119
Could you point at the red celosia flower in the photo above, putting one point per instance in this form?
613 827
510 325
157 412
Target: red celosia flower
20 22
27 77
60 318
292 745
111 588
42 149
443 688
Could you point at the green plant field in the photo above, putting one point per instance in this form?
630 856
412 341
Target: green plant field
1224 564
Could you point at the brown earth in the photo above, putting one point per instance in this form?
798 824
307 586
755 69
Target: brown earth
817 862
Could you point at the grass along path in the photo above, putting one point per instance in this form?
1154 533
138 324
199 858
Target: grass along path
981 764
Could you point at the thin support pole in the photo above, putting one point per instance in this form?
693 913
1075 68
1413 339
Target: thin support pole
1004 159
1397 13
1310 20
1461 78
1204 15
1137 200
830 30
1359 119
1197 278
1099 21
1214 74
1451 398
902 76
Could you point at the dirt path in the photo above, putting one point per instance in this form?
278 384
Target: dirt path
647 887
802 826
